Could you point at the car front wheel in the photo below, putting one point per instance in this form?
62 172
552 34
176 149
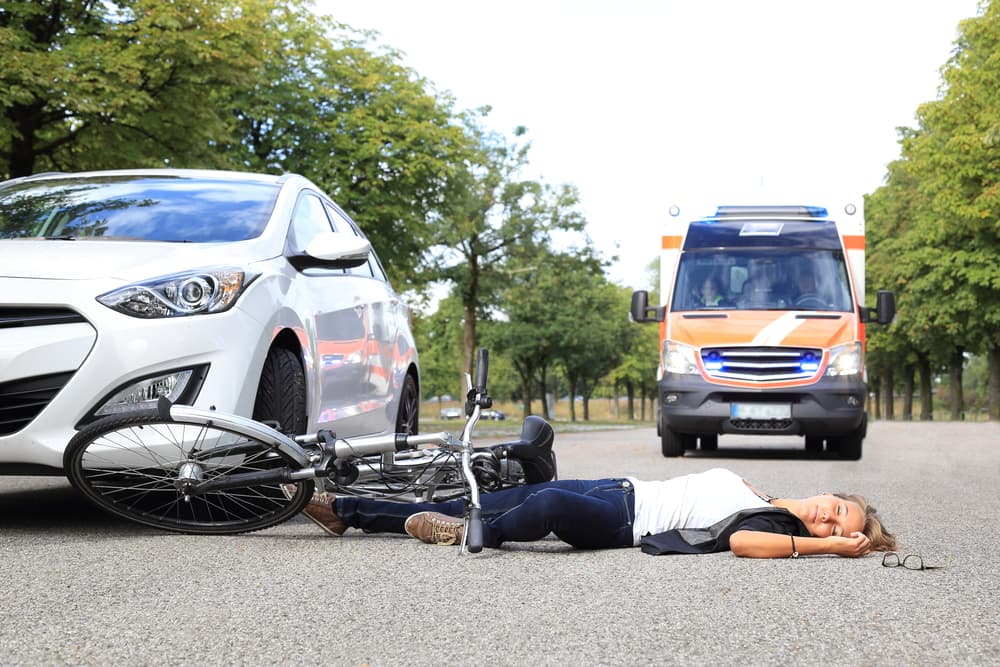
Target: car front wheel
281 394
408 414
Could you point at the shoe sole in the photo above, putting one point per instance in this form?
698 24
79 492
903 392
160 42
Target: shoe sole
318 496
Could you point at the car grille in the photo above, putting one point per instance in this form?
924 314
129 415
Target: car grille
761 364
11 317
762 424
21 400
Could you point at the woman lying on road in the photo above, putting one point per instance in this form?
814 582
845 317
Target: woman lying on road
698 513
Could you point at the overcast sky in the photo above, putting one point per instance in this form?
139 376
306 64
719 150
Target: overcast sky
644 104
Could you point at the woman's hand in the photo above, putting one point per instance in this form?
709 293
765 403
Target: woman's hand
758 544
855 546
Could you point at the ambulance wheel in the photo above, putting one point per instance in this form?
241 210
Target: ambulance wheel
848 447
814 444
674 444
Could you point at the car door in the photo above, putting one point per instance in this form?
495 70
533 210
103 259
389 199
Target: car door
381 306
335 310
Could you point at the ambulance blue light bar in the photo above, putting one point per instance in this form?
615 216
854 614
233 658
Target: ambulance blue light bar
771 212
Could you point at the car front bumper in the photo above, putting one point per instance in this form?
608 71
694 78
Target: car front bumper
104 352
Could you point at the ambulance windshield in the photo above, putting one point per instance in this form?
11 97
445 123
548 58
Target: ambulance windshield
762 279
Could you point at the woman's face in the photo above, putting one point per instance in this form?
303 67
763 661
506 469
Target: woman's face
708 289
827 515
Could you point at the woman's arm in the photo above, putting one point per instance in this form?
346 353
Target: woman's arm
758 544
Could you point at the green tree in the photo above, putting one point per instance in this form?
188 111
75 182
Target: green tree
596 334
372 133
491 211
438 337
90 85
955 154
538 318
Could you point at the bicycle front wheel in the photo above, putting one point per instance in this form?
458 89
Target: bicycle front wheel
147 469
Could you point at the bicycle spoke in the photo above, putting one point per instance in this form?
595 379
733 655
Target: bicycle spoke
149 470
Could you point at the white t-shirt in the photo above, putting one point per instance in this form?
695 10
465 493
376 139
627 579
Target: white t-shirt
690 501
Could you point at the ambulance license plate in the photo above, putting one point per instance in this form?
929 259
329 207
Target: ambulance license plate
760 410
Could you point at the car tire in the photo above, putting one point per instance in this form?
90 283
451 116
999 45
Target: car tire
814 444
674 444
281 394
848 447
408 412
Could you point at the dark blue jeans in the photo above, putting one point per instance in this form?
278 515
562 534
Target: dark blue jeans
588 514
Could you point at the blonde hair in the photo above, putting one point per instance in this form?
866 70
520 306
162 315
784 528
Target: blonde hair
880 538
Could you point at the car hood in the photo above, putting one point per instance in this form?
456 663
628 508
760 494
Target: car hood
128 261
763 328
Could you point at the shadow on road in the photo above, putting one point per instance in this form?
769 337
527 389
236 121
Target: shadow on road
25 503
784 453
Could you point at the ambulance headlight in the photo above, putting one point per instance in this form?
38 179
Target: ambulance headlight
679 358
846 360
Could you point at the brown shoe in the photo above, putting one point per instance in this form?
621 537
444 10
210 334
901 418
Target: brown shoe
319 510
435 528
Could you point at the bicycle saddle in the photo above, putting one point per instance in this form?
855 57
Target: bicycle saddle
533 449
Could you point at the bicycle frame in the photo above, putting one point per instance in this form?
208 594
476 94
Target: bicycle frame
316 454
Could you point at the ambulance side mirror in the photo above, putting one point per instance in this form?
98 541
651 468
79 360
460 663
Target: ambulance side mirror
885 308
642 312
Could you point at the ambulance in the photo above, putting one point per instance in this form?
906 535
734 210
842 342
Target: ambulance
762 326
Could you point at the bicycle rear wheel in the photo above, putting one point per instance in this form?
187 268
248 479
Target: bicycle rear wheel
141 467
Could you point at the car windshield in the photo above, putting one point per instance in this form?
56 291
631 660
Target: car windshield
144 207
762 279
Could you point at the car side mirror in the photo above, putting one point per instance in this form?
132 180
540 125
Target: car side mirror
642 312
334 250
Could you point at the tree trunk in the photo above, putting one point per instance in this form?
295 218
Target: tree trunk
994 361
572 399
586 408
875 389
468 345
525 376
630 393
908 391
25 118
926 388
543 386
955 373
889 383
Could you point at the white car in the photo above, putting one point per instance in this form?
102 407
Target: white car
254 294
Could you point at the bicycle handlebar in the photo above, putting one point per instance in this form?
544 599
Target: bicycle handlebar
482 369
474 540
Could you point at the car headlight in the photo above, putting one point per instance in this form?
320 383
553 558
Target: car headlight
679 358
846 360
189 293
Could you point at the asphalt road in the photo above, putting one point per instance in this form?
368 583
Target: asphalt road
79 587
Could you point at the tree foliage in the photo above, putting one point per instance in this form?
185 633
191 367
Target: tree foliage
493 217
371 132
935 224
94 85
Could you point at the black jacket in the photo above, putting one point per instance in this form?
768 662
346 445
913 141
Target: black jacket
716 537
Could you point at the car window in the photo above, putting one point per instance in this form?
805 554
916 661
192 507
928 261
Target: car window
173 208
308 220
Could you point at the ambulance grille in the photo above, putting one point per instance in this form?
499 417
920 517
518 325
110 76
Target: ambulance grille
761 364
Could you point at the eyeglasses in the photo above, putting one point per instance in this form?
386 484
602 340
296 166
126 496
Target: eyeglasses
910 562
